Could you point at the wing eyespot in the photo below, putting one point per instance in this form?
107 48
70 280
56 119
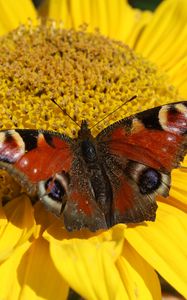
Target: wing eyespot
53 191
149 181
55 188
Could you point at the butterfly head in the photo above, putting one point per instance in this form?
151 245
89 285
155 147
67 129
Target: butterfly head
84 132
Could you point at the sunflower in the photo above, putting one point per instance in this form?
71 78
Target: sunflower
137 52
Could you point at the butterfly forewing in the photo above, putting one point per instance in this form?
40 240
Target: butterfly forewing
37 154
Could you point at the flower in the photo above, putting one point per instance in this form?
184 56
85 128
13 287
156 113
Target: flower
39 258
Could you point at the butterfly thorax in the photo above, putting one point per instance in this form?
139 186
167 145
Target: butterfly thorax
86 142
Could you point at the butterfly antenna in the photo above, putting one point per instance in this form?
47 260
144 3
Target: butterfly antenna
65 112
132 98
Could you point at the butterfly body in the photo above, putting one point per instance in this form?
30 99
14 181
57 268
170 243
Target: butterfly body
96 182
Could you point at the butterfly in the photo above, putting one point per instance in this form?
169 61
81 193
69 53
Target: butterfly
96 182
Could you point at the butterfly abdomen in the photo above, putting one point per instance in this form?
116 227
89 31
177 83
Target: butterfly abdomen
98 179
103 193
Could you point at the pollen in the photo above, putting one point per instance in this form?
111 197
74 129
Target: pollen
87 74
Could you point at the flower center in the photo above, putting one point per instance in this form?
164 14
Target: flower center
87 74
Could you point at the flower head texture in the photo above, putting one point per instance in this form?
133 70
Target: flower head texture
90 57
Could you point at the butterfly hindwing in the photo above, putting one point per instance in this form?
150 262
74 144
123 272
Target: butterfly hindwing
72 201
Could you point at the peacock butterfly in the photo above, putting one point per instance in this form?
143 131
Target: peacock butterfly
97 182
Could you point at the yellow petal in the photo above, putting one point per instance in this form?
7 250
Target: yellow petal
14 14
38 276
10 287
178 75
125 19
138 276
59 233
19 228
3 219
142 21
31 274
43 218
89 269
174 47
116 19
178 189
178 186
163 245
56 10
89 265
163 40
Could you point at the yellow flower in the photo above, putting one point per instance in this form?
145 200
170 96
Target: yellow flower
39 258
